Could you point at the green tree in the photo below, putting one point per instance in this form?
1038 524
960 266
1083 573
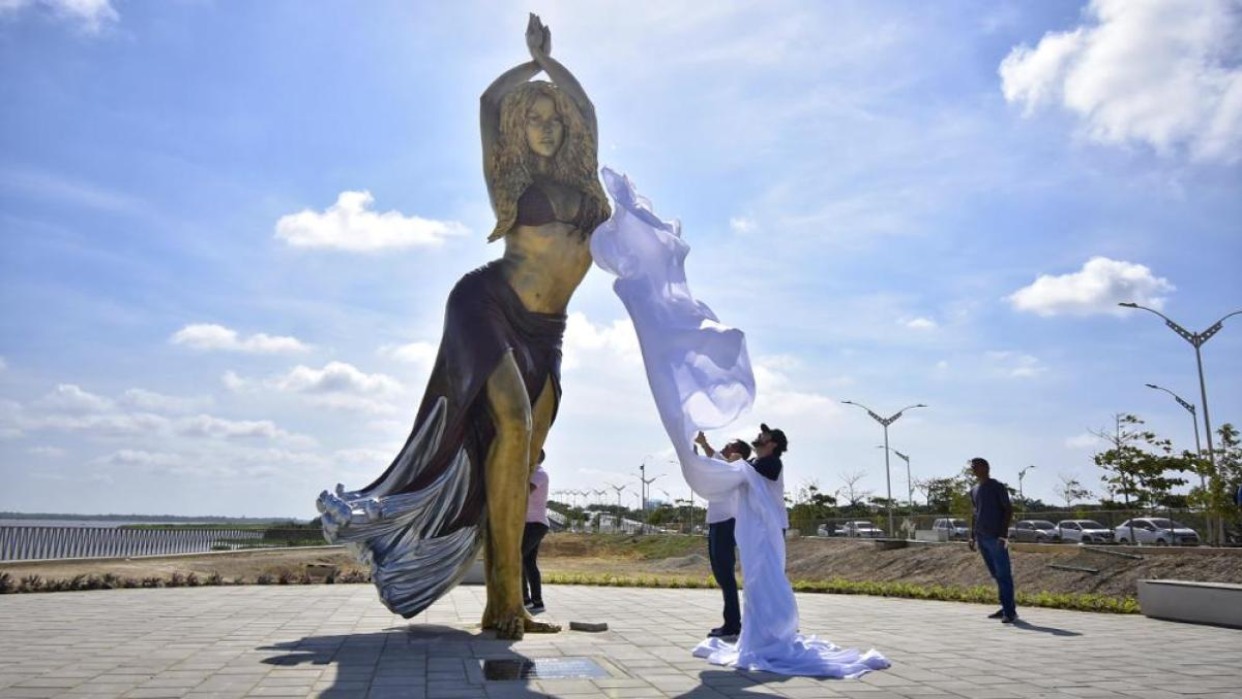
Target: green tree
943 493
1071 490
811 506
1139 466
1224 480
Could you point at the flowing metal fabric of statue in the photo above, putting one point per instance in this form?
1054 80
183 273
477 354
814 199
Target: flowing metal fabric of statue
460 482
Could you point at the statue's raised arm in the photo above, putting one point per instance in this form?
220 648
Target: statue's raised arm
533 129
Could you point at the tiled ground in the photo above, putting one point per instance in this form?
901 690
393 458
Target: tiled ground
338 641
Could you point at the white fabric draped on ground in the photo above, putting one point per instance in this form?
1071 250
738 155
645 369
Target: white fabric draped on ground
701 379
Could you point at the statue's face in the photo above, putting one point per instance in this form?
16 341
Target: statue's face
544 128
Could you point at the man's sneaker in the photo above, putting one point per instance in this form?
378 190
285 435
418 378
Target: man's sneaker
535 607
1008 619
997 614
722 632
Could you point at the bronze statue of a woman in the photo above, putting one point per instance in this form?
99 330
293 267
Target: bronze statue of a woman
461 479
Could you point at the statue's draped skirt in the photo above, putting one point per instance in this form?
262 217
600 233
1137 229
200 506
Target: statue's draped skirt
420 524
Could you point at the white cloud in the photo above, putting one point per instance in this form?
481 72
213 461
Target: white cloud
336 377
138 457
1161 73
70 399
220 428
91 16
350 225
234 383
49 452
1097 288
3 364
151 401
337 385
585 342
1086 440
742 224
920 324
420 353
101 425
340 386
1014 365
208 336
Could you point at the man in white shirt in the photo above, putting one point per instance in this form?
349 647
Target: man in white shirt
721 520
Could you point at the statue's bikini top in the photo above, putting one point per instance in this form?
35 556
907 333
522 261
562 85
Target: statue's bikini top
534 208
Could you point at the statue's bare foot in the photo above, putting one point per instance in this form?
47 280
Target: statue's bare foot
533 626
509 626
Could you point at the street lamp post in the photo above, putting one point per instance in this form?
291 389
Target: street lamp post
909 482
617 488
1194 423
642 476
1021 475
885 422
1197 341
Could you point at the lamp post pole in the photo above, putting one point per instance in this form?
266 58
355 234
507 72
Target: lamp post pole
909 481
885 422
1197 341
1021 493
1194 423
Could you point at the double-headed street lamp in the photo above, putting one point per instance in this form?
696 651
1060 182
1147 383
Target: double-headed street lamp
888 478
1194 422
1196 340
642 476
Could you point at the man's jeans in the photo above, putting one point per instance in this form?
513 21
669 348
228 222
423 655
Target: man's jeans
720 545
996 558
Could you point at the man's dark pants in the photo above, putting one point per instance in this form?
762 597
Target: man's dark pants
720 549
532 581
996 558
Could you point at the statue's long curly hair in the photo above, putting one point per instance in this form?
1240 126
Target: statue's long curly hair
512 167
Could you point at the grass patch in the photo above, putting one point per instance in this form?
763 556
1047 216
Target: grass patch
622 546
980 594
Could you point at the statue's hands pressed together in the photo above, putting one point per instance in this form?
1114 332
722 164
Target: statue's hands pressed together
538 38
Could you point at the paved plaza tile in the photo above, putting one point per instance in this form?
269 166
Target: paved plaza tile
338 641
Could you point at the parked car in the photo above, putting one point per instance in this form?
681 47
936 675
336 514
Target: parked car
866 530
1039 531
1084 531
823 530
1156 530
951 529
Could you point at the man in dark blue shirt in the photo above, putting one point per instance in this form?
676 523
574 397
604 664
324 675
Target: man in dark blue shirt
991 513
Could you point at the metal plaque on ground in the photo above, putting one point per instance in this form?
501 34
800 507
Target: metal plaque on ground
542 669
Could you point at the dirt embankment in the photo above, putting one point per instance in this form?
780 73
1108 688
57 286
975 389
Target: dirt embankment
686 557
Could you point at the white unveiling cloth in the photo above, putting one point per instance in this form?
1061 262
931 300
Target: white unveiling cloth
701 379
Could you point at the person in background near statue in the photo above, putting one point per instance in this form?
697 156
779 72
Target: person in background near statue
991 514
536 529
721 544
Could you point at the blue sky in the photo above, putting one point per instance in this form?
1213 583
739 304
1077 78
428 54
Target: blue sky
228 230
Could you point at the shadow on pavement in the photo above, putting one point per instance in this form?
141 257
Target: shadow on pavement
1027 626
392 662
734 683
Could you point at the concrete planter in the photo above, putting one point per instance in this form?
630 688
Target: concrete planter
1219 604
